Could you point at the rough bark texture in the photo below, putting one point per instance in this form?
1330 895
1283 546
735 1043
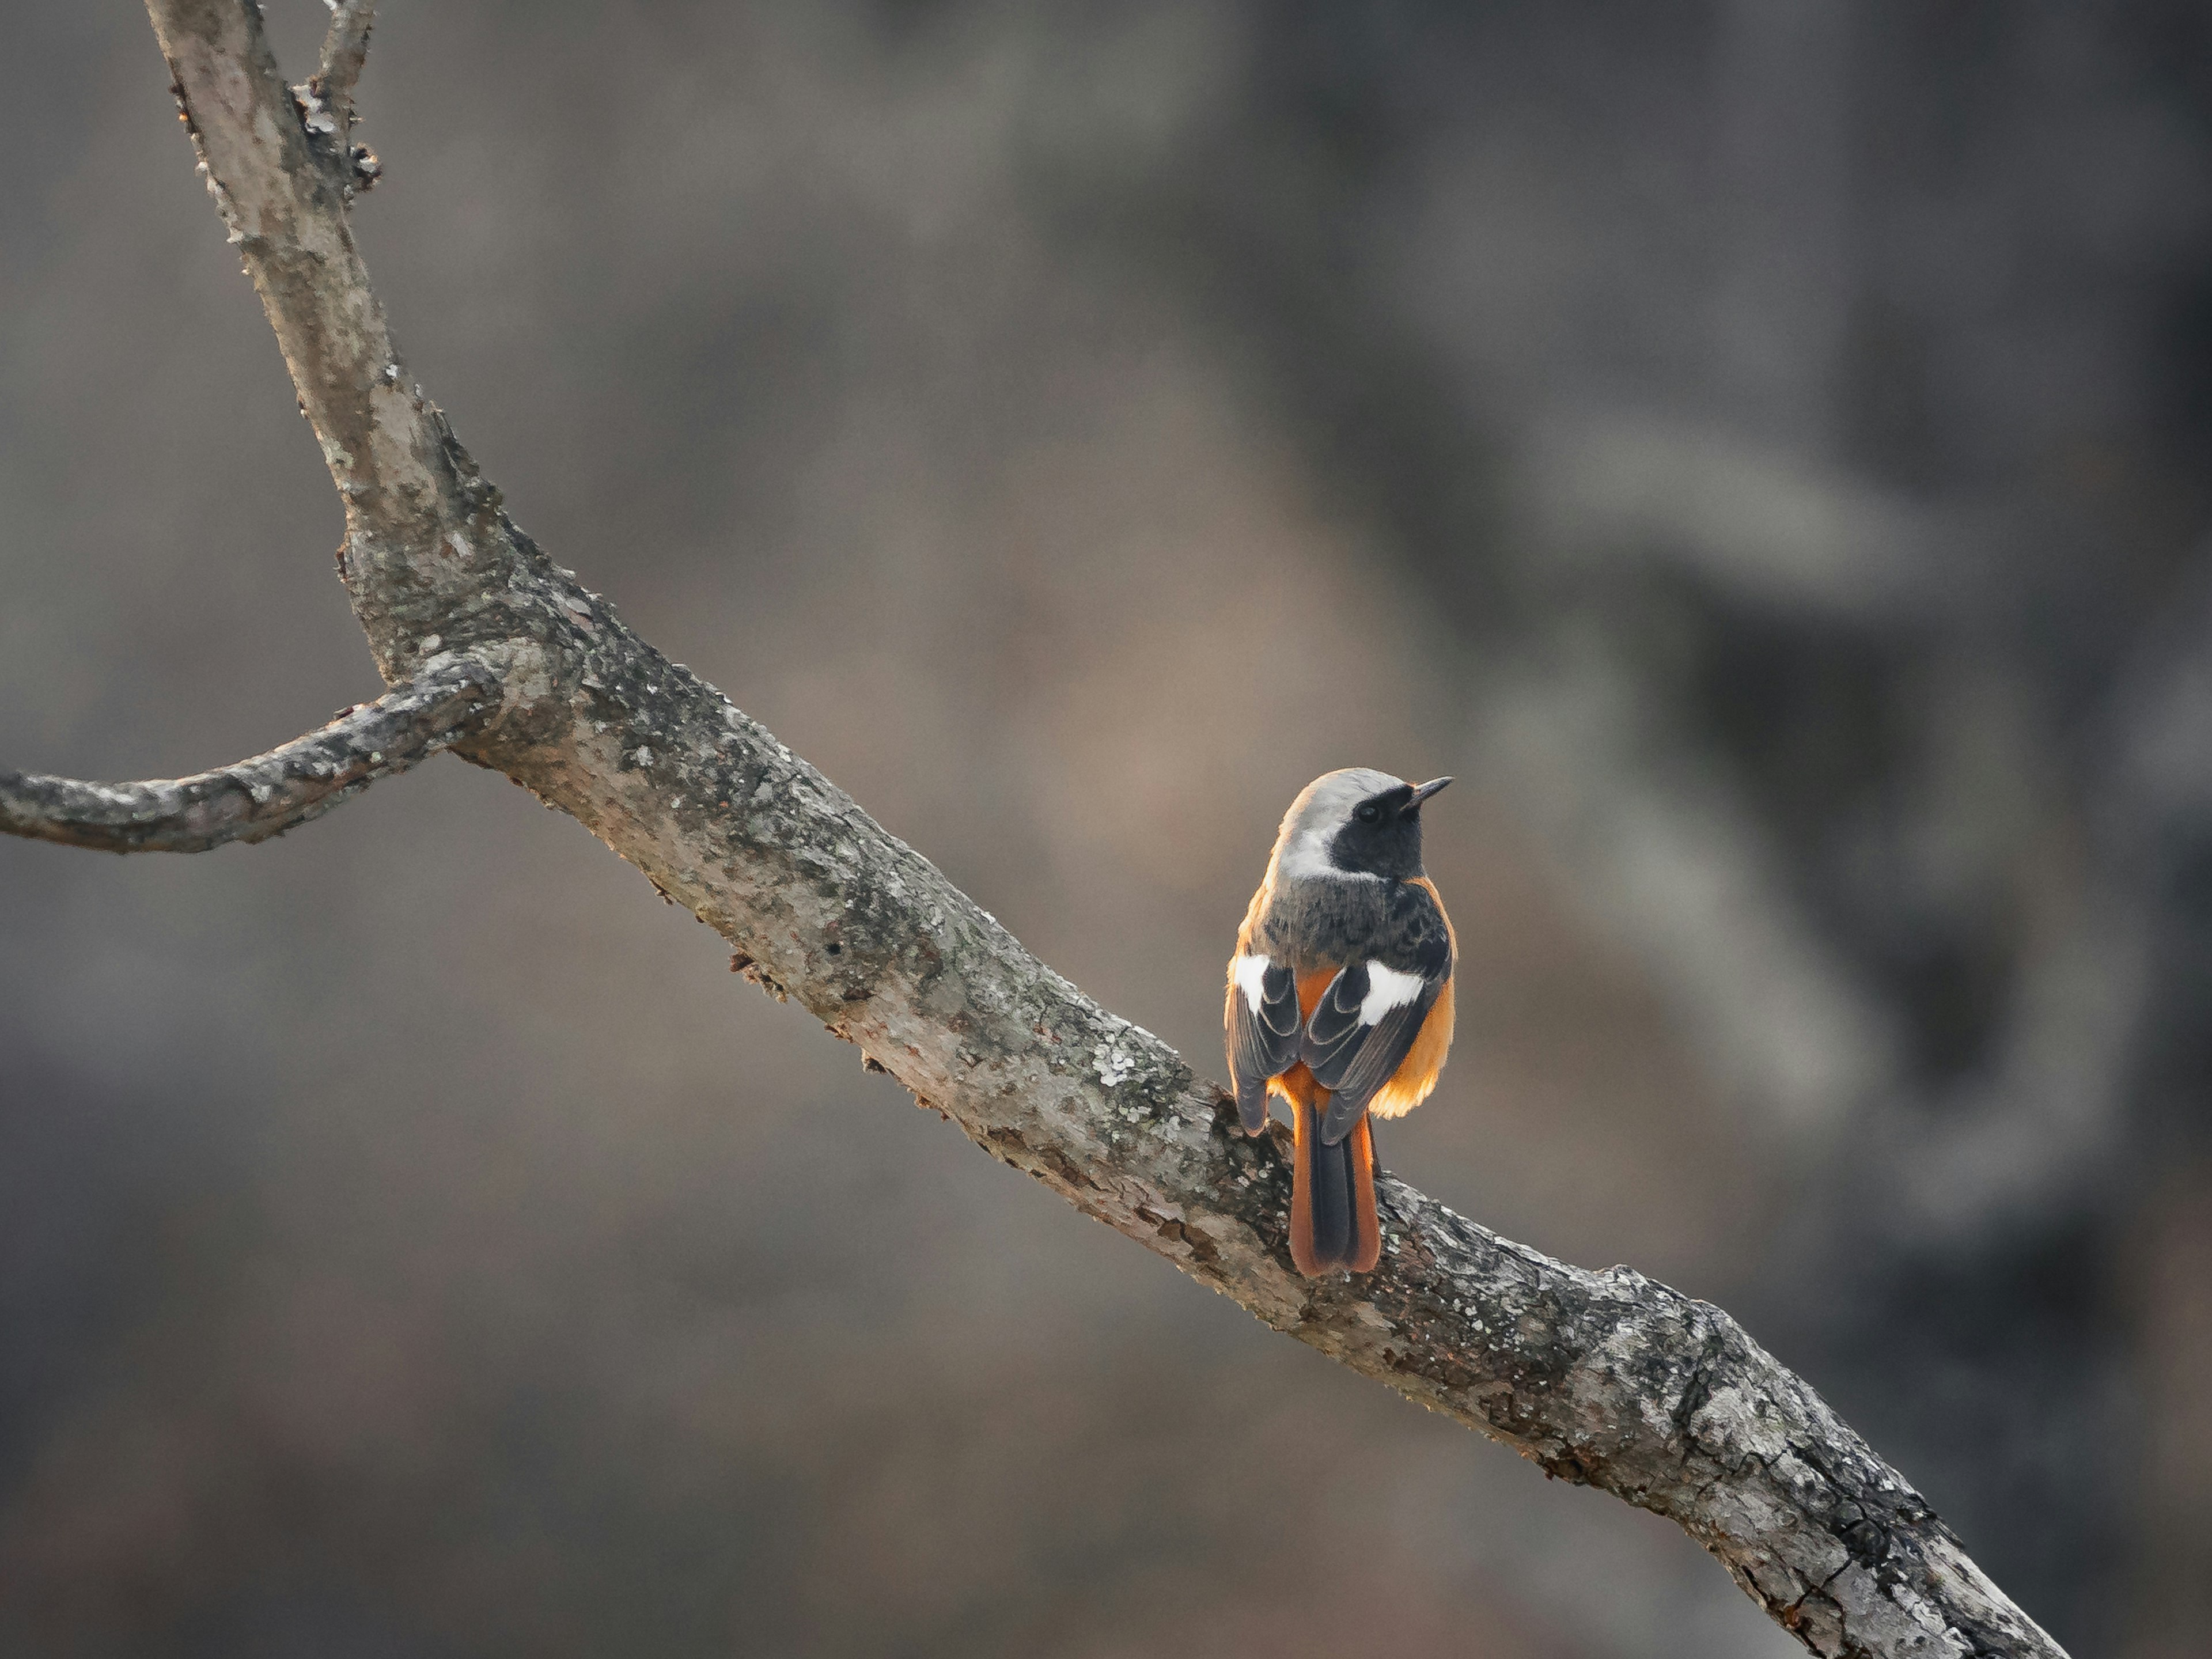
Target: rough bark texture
345 50
263 796
1607 1379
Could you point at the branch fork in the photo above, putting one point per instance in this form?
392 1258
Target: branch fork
324 98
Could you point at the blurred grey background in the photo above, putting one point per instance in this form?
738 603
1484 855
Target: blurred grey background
1759 445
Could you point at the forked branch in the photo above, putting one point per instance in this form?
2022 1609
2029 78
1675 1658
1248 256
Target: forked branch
326 102
1607 1379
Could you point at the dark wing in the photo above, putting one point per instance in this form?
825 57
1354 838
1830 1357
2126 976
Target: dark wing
1352 1055
1366 1021
1263 1030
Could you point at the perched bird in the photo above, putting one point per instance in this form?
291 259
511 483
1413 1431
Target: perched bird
1340 997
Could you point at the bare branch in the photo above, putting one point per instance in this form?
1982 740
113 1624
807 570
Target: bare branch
263 796
1607 1379
345 49
325 100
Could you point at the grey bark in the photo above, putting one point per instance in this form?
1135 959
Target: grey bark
263 796
325 100
345 50
1606 1379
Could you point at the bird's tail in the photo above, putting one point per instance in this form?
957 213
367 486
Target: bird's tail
1332 1223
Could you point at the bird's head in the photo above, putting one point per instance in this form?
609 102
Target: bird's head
1356 822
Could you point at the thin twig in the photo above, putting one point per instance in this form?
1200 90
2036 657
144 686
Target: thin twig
263 796
325 103
345 49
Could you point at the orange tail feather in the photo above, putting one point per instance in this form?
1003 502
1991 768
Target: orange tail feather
1366 1226
1333 1225
1301 1238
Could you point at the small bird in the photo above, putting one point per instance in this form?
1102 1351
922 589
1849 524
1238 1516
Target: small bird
1340 999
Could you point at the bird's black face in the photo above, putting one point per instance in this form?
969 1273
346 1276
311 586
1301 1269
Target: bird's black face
1382 837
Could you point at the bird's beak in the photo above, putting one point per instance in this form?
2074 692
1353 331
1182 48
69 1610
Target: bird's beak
1431 787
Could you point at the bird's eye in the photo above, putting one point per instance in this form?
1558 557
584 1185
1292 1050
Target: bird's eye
1368 812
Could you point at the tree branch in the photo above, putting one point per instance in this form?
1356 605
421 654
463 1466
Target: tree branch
325 100
345 49
1607 1379
263 796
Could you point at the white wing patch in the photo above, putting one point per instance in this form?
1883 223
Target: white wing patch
1387 989
1246 971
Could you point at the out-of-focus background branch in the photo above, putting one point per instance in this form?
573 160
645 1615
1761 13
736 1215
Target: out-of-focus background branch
1761 446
